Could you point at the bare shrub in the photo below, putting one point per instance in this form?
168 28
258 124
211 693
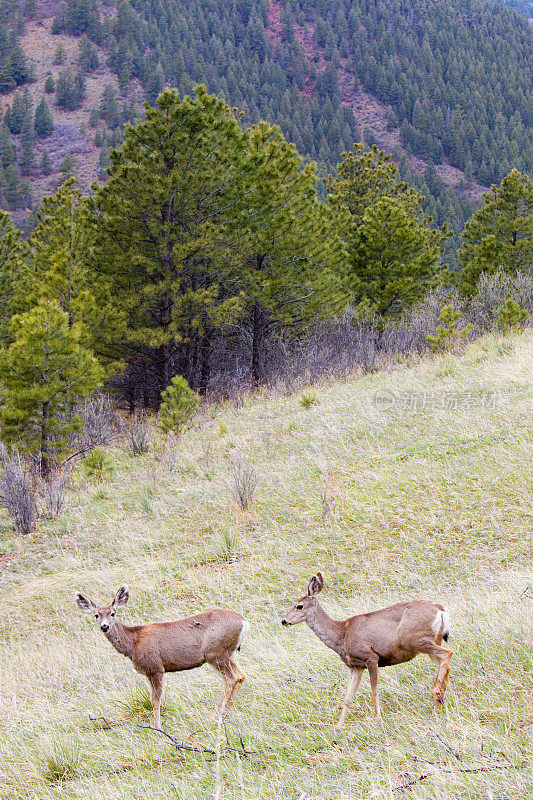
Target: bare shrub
17 490
493 291
53 490
138 433
169 454
99 421
245 478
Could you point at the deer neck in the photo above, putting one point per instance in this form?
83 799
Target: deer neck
330 631
122 638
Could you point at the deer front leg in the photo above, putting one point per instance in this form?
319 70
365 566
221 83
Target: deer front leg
156 692
373 672
354 679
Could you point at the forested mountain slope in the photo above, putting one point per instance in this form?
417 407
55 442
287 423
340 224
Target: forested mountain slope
443 86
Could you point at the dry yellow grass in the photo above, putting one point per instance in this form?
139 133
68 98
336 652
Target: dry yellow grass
388 505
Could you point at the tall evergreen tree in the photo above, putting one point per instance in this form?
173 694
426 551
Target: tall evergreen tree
500 234
164 231
394 258
45 373
43 122
393 251
288 244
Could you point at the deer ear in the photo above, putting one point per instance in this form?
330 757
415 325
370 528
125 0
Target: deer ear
84 603
315 585
121 597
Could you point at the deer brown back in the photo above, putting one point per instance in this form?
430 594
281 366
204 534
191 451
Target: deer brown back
186 643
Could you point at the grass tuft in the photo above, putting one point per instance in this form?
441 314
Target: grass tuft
58 760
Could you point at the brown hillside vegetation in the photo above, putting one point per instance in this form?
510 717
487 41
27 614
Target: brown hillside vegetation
72 134
369 112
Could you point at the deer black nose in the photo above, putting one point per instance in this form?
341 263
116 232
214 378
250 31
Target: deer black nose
284 622
104 627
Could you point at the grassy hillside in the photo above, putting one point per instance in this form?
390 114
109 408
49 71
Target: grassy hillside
389 505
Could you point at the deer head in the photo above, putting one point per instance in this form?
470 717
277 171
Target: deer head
300 609
105 615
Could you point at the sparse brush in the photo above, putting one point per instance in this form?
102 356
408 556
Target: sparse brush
98 465
138 434
53 489
18 489
169 454
245 479
57 761
99 421
308 399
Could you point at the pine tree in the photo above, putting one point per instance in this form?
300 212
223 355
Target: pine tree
288 243
27 158
363 177
393 258
59 55
109 110
46 164
18 113
178 404
179 172
13 260
43 122
500 234
45 373
57 270
87 55
393 252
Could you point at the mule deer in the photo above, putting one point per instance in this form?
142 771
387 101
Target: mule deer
160 647
381 638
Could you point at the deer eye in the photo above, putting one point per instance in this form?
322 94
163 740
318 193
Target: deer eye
299 608
96 616
112 613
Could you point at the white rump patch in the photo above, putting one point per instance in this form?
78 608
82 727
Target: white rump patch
244 633
441 623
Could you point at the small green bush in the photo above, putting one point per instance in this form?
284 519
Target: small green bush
179 402
98 465
509 316
308 399
448 335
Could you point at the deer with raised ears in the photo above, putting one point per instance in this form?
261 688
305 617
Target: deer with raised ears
381 638
160 647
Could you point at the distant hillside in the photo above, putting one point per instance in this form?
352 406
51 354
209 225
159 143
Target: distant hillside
522 6
444 87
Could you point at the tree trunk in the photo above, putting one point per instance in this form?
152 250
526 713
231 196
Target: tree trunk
205 361
258 331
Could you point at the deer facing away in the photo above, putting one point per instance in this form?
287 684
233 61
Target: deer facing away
160 647
381 638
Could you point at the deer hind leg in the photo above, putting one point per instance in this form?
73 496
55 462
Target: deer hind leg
239 678
373 672
441 658
354 680
156 692
230 682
